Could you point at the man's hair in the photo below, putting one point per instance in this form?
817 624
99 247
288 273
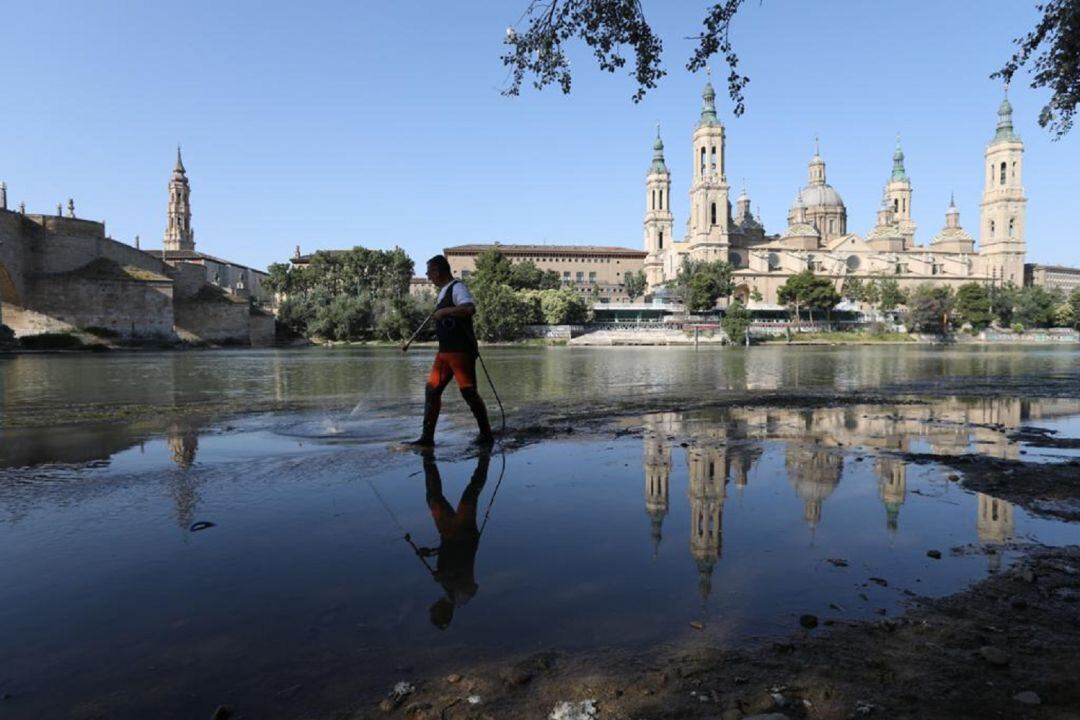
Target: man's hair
441 264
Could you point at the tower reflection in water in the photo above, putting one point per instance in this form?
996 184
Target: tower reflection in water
723 446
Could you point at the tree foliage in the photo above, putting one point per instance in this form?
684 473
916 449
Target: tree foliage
973 305
890 295
809 291
635 283
930 308
501 313
736 322
1052 49
700 283
615 30
1035 307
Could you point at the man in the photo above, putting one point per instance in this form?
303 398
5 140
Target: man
456 358
459 539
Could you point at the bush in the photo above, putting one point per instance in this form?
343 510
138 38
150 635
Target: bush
51 341
1018 328
501 314
563 307
736 322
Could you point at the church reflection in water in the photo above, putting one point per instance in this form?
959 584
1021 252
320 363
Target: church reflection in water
723 446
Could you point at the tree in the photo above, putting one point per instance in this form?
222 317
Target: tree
930 308
736 322
854 289
1055 46
807 290
1035 307
563 307
501 313
607 27
1002 302
492 268
635 284
550 280
973 305
1074 303
700 283
615 29
890 295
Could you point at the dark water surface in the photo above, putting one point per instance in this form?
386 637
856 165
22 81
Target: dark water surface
304 593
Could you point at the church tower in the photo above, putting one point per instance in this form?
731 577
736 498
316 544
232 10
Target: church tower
659 221
707 490
657 464
709 205
1001 228
178 233
898 195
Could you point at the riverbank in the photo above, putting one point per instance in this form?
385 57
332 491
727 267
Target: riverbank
1007 647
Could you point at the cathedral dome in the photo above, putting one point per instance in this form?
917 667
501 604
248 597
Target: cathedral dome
820 196
800 230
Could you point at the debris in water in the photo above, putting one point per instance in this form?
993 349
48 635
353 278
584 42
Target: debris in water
583 710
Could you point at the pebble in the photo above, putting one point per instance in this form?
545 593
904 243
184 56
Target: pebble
880 581
808 621
954 478
697 625
935 554
994 656
1028 698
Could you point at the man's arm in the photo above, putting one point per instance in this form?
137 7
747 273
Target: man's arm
458 311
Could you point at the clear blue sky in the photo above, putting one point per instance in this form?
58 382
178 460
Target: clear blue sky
329 124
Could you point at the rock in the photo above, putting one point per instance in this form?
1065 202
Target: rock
863 708
935 554
1027 575
808 621
994 656
581 710
418 709
388 705
880 581
223 712
954 478
473 700
697 625
1028 698
838 562
453 678
517 676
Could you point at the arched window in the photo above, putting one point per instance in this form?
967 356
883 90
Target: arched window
661 239
896 205
991 229
653 198
1014 171
1012 226
712 160
1002 173
661 199
903 205
712 214
702 169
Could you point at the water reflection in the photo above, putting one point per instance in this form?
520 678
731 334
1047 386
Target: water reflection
459 539
723 446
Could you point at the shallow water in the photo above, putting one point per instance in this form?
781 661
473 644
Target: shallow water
304 593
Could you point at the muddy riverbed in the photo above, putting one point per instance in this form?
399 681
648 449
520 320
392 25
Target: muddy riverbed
710 535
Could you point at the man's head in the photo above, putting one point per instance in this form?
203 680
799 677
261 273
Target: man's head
438 270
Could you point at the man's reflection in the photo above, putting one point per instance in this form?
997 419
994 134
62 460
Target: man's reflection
459 539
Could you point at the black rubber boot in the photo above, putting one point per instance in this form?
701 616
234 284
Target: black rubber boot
479 411
432 406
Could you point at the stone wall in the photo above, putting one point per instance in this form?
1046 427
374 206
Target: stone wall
262 330
213 321
131 308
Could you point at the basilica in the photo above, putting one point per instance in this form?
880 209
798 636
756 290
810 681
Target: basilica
817 237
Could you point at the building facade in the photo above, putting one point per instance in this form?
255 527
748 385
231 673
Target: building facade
588 269
1053 277
817 236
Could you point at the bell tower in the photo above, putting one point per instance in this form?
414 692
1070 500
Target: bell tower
1002 243
659 221
898 195
709 205
178 233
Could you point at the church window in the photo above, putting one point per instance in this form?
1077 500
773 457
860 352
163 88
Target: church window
661 239
712 163
661 199
903 205
1012 226
735 259
1002 173
702 169
896 205
712 214
1014 170
830 225
992 229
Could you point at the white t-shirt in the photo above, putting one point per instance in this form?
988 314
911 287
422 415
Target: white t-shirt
461 296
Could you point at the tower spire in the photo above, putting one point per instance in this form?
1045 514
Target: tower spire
179 162
708 101
1005 132
178 233
658 164
898 172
